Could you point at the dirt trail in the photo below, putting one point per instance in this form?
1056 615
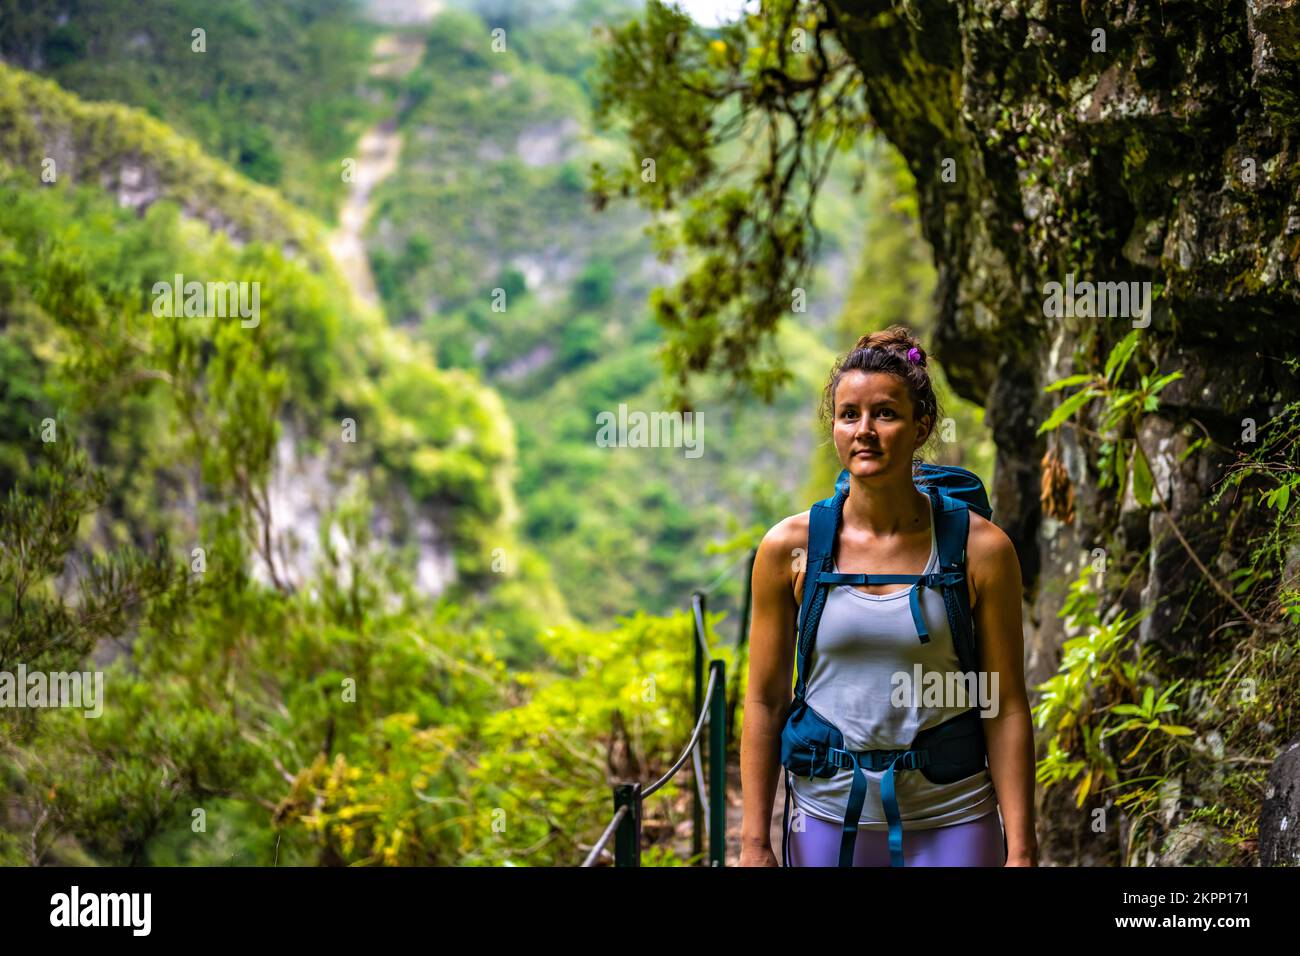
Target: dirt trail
395 56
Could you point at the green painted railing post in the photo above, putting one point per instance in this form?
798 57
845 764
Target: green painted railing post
718 767
627 838
697 808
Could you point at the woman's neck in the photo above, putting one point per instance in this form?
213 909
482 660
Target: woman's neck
885 510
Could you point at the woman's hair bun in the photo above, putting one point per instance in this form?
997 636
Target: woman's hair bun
896 338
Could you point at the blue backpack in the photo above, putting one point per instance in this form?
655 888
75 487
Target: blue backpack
811 746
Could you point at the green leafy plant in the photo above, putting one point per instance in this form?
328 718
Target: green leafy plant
1095 679
1146 716
1122 459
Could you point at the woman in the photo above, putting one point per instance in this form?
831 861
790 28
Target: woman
882 410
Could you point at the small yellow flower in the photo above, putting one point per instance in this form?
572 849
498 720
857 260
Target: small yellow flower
718 46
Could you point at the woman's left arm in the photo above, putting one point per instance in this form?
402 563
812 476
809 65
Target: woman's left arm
1009 734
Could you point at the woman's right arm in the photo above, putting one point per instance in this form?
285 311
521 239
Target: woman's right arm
770 686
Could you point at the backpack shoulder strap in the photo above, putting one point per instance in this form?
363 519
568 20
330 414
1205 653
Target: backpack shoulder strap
952 516
823 522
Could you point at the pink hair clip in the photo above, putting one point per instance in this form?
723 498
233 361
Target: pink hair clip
914 355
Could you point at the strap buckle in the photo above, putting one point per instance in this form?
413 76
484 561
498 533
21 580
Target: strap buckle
876 760
913 760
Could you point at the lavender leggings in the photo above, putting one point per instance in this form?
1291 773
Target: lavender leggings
974 843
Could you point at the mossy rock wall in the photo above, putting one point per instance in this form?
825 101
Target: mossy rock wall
1124 142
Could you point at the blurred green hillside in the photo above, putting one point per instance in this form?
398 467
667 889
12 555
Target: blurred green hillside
238 90
522 280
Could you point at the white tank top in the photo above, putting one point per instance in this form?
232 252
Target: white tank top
862 641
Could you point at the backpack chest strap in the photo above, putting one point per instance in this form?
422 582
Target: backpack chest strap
937 579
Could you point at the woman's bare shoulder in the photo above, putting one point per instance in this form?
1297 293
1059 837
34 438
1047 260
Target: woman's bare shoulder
986 538
788 533
785 541
990 554
782 555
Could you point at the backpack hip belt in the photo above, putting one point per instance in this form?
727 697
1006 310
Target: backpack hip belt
943 754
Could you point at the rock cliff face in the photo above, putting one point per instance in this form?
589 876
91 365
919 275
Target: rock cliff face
139 161
1111 142
62 138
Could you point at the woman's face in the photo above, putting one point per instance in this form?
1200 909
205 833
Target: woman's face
875 431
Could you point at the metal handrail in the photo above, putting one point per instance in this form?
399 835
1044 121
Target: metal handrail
701 795
604 837
690 745
711 708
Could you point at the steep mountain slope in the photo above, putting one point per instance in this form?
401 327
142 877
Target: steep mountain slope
284 538
437 447
227 75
